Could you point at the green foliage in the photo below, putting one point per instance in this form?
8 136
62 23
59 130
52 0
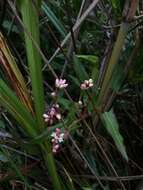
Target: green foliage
17 109
110 123
80 70
31 21
52 17
90 58
109 51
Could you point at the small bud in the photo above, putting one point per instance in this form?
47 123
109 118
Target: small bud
58 116
56 146
58 130
80 102
53 94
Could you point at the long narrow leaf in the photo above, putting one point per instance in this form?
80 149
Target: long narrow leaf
31 22
113 61
52 17
110 123
13 73
79 69
18 110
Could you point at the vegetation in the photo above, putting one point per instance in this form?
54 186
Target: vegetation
71 98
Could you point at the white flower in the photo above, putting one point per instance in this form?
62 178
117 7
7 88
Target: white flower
57 138
45 116
53 135
61 138
61 83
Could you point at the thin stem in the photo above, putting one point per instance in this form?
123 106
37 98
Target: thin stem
75 27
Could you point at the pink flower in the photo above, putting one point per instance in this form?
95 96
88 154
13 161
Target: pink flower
55 148
52 114
61 83
86 84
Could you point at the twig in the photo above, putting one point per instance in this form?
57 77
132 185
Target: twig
82 156
106 178
68 10
75 27
76 33
104 153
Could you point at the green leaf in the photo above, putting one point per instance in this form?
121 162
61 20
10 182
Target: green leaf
90 58
75 80
66 104
94 66
17 109
14 74
52 17
113 61
115 3
79 69
87 188
110 123
31 21
95 74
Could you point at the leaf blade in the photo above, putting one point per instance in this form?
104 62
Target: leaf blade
110 123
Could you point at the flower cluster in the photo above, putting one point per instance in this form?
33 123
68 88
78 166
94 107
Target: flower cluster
57 138
52 115
86 84
61 83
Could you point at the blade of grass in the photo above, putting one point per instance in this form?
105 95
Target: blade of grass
52 17
31 22
14 74
110 122
113 60
128 15
9 100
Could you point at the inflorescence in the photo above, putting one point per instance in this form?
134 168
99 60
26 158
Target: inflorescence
53 114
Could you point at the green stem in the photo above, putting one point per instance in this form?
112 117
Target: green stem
49 161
